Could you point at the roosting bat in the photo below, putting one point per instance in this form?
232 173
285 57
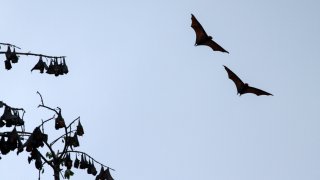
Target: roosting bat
243 88
202 38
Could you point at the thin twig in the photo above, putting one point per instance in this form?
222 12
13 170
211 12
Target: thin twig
45 160
62 175
7 44
39 174
78 118
48 108
53 142
46 121
40 97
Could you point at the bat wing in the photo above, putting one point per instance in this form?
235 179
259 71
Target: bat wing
235 79
215 46
198 29
257 91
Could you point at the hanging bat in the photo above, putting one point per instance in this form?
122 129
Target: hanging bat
202 38
243 88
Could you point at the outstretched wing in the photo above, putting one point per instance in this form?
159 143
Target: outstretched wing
257 91
215 46
200 32
235 79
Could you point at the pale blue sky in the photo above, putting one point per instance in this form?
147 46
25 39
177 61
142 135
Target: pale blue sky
154 106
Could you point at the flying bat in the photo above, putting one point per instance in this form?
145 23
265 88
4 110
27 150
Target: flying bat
202 38
243 88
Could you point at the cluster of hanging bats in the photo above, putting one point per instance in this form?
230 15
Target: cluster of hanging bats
9 118
11 141
203 39
56 67
83 163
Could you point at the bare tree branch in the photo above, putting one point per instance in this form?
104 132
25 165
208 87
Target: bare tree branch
34 54
65 144
74 151
16 109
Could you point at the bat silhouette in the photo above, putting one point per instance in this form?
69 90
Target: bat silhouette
243 88
202 38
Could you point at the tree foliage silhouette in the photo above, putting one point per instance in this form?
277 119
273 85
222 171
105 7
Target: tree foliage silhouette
62 161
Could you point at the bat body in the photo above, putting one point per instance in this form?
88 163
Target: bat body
202 38
243 88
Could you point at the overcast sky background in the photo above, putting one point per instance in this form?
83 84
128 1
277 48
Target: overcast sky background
156 107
